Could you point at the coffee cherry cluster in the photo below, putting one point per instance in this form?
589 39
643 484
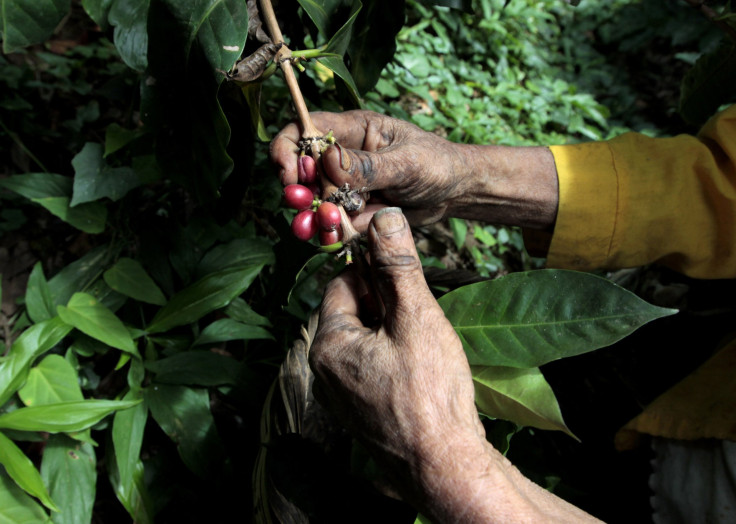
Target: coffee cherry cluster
314 218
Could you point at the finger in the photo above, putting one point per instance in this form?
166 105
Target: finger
362 220
396 269
341 302
284 153
348 128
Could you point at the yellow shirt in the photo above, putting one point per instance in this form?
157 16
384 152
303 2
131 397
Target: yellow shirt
634 200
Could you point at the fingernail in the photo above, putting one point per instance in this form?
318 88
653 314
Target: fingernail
389 220
344 158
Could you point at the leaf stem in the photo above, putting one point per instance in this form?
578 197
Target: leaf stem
284 57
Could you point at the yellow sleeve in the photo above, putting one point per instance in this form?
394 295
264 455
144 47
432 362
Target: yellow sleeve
635 200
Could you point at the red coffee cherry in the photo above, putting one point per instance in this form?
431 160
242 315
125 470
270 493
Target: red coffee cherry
328 216
304 226
327 238
297 196
306 169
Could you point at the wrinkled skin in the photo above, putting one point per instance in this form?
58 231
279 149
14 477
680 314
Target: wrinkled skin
427 176
398 169
386 360
400 382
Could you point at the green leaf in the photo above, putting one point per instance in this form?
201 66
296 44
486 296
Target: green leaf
184 415
229 329
23 472
117 137
370 50
219 28
128 277
52 380
34 341
88 315
252 94
530 318
709 84
130 19
28 22
18 507
522 396
459 228
239 252
69 469
62 417
78 275
39 303
127 437
54 193
133 496
94 179
195 368
207 294
98 10
241 311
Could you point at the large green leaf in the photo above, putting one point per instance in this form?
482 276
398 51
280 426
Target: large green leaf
133 496
88 315
130 19
27 22
98 11
18 507
207 294
23 472
521 396
184 415
190 43
95 179
54 193
78 275
34 341
69 469
39 303
127 437
52 380
241 311
236 253
370 49
219 27
709 84
228 329
195 368
527 319
128 277
62 417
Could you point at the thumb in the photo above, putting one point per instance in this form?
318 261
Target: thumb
357 168
395 268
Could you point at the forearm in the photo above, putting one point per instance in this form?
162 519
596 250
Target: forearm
478 484
515 186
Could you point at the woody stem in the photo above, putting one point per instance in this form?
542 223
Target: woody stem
283 57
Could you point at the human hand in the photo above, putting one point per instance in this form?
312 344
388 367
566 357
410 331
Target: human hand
402 386
398 162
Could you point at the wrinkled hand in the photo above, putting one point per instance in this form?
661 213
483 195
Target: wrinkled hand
409 167
403 387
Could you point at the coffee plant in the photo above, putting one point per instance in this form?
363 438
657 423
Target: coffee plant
164 273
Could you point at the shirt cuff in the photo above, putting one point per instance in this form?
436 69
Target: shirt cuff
588 206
